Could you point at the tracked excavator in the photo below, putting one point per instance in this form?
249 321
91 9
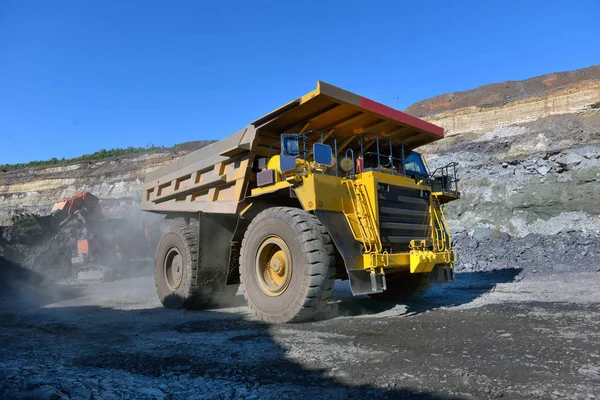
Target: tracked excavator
108 248
102 249
92 247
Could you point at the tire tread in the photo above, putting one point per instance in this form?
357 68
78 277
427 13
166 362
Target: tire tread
318 254
192 296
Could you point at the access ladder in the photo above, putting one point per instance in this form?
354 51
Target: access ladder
361 217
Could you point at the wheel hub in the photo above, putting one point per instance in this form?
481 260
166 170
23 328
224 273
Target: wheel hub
273 266
277 263
173 268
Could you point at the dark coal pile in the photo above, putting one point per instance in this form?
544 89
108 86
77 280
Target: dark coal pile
488 249
13 276
36 246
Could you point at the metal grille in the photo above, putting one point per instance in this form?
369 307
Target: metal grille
403 216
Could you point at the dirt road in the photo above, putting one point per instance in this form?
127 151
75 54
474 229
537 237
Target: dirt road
486 336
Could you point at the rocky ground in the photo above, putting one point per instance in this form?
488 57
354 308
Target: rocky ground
522 332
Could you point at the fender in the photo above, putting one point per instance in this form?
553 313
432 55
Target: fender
337 226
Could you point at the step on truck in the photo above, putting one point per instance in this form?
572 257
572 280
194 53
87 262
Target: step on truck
327 187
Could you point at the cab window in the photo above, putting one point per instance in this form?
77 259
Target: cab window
414 165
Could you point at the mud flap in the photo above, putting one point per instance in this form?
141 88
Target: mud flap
361 281
365 282
441 273
215 235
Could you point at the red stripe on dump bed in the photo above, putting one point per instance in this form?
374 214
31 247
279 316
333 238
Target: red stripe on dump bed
400 116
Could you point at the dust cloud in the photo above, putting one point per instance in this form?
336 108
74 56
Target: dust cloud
39 261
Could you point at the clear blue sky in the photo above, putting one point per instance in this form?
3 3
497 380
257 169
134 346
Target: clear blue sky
79 76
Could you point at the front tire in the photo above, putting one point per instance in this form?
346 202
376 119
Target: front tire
287 265
176 269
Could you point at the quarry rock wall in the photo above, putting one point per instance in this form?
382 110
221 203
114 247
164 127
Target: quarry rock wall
484 118
117 182
529 161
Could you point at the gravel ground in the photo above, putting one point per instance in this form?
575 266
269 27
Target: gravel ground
485 336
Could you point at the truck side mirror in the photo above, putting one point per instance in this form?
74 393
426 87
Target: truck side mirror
289 145
287 163
322 154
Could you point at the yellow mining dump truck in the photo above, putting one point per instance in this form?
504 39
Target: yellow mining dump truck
326 187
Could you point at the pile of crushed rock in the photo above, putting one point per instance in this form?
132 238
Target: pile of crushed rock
489 249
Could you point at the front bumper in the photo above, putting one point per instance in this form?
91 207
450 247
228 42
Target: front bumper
418 261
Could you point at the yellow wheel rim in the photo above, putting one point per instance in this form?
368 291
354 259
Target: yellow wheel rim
273 266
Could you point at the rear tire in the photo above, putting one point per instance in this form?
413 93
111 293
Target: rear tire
176 269
287 265
402 286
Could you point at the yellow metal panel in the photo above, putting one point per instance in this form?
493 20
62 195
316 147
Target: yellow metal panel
307 194
422 261
395 180
323 192
416 260
270 188
396 261
312 94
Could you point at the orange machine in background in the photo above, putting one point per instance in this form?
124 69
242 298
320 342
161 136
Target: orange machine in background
106 248
83 203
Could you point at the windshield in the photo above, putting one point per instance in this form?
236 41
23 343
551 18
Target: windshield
414 165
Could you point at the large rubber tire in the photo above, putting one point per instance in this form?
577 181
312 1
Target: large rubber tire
312 257
402 286
185 292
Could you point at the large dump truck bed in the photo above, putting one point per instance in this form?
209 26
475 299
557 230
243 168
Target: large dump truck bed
216 178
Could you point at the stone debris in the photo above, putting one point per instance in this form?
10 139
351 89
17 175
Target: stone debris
489 249
43 392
